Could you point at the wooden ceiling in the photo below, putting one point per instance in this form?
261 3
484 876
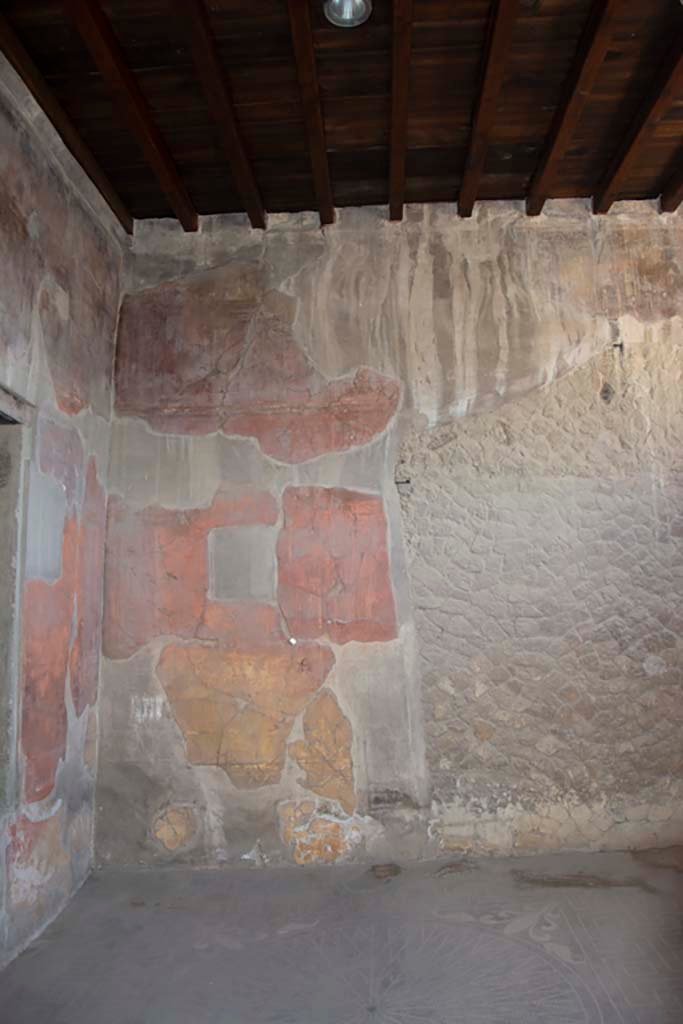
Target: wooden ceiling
187 107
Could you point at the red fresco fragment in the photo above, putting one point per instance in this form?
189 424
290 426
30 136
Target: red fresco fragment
51 645
256 383
334 577
344 414
241 623
47 623
157 575
178 343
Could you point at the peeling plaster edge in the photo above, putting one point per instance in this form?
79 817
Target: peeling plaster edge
276 463
627 325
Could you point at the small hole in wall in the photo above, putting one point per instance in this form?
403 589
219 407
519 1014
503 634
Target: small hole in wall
607 392
402 480
7 421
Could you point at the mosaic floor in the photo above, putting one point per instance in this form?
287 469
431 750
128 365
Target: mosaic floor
571 939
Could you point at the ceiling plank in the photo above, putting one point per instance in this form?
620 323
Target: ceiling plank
590 55
672 193
11 46
105 50
304 54
499 38
400 76
668 89
219 98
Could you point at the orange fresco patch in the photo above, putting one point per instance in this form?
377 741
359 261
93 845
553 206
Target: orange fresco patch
333 563
47 624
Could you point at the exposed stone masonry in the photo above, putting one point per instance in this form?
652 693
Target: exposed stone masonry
546 556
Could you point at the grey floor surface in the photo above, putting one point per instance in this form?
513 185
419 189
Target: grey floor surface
589 938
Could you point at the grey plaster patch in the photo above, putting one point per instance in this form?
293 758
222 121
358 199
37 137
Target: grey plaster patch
362 469
182 472
10 500
45 526
377 687
242 563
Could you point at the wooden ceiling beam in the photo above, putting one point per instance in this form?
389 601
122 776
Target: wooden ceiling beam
672 193
400 76
14 51
304 55
498 41
590 55
668 89
219 99
107 53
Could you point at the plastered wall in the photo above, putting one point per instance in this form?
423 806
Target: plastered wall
59 296
282 674
261 698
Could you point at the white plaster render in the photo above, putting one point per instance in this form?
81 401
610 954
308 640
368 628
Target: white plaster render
467 313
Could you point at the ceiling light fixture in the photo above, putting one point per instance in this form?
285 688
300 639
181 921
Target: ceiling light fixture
347 13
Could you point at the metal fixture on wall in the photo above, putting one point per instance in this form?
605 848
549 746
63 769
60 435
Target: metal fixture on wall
347 13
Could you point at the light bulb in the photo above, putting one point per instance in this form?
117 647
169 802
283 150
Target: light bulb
347 13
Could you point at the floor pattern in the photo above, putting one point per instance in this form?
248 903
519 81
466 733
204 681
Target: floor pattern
571 939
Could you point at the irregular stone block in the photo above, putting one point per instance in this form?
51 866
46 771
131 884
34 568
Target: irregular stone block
334 576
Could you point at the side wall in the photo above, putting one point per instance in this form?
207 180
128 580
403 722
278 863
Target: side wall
59 299
261 694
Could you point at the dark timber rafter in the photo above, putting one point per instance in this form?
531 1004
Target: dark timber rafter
402 44
587 63
499 38
219 99
668 89
106 52
672 194
304 54
43 95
